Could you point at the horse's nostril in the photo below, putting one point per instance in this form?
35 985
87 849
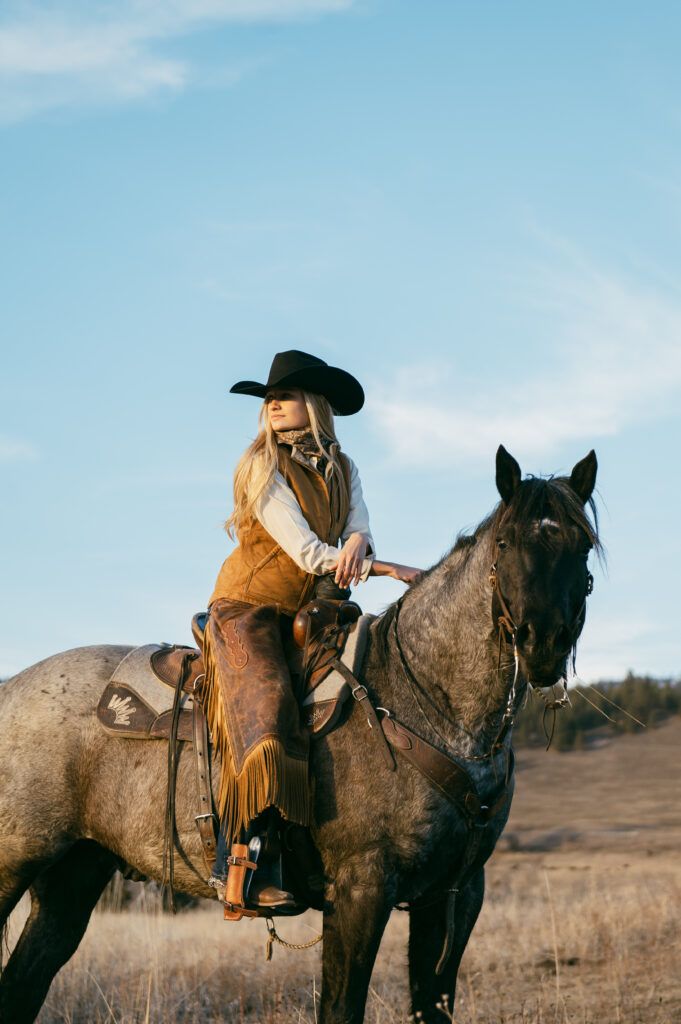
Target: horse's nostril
561 641
522 635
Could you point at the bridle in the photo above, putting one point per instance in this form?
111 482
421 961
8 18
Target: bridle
507 633
505 620
508 629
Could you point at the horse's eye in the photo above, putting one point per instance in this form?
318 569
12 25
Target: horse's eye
501 543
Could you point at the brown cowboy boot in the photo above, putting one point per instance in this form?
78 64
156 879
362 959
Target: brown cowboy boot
264 895
262 890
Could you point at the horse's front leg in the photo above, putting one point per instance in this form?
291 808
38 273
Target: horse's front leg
427 931
355 915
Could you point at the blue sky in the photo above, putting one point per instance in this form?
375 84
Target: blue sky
473 207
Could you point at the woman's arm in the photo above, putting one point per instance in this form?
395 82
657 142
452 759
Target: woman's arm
352 562
403 573
281 515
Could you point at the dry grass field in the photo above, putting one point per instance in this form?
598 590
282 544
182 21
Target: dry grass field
580 923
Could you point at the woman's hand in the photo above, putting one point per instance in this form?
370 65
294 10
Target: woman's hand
351 560
403 573
406 573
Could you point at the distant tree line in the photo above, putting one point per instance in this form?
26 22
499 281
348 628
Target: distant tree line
643 700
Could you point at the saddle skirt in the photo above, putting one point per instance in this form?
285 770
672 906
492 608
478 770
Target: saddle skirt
137 702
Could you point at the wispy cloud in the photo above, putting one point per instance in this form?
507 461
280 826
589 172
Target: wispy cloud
85 53
14 450
615 360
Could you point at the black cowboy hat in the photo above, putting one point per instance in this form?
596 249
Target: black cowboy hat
299 370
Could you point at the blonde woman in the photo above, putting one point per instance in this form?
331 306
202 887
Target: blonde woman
296 498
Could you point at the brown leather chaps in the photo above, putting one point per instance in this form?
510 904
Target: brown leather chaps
253 716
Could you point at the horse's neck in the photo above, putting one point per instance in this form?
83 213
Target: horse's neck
446 636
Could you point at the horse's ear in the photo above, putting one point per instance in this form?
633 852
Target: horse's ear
583 477
508 474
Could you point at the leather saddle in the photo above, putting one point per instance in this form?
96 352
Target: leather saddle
323 632
137 702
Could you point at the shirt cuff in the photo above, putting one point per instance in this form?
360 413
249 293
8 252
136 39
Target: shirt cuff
366 568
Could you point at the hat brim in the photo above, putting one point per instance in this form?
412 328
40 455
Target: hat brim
343 391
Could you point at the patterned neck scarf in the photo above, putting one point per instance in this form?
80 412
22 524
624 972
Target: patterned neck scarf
302 439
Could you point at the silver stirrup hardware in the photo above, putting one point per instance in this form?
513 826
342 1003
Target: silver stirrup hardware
254 848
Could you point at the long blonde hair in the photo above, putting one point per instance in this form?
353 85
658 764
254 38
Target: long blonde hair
258 464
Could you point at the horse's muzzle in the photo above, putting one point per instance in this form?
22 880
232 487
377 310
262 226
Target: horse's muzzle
542 672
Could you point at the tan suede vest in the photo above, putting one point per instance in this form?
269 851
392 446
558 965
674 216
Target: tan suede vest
259 571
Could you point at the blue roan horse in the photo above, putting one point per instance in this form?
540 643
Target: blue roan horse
450 661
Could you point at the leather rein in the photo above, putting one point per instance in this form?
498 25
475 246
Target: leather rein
508 719
206 816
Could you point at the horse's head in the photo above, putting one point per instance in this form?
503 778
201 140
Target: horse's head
541 537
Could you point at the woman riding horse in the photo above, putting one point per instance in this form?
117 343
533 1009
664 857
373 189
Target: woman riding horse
296 497
450 662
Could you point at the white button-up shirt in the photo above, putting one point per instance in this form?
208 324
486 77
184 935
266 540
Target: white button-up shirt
281 515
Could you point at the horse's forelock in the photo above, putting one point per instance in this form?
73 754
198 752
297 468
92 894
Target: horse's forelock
552 499
535 500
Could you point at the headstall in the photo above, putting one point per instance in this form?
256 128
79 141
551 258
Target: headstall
508 626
